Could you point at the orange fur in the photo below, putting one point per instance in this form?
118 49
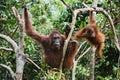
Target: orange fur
93 35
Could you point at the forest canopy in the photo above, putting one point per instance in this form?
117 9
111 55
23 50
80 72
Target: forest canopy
48 15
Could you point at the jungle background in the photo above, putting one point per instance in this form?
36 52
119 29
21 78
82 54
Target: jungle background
47 15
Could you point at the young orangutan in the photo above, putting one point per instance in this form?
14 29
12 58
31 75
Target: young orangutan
93 35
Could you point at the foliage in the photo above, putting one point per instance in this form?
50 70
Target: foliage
47 15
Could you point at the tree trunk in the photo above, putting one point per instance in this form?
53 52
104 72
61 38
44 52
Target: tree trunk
92 63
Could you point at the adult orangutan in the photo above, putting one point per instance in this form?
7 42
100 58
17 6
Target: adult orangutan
52 45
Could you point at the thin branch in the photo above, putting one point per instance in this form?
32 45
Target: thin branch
32 62
80 46
28 59
11 41
85 5
16 14
15 31
117 19
67 6
83 54
7 49
10 70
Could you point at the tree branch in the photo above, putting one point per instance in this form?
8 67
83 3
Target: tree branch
85 5
80 46
16 14
83 54
93 49
67 6
10 41
10 70
7 49
27 58
112 27
68 38
20 60
75 62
